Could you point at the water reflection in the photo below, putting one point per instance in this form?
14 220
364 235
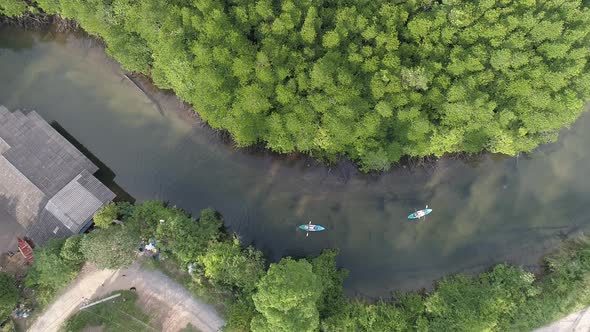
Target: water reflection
492 209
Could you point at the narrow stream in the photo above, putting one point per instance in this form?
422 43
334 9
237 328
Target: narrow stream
492 210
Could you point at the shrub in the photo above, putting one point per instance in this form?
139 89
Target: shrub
227 264
110 248
104 217
9 295
50 271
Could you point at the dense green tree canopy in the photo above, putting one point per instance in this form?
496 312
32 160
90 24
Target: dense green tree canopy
372 79
186 237
110 248
13 8
466 304
227 263
8 295
287 298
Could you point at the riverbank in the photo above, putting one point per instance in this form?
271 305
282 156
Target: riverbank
211 263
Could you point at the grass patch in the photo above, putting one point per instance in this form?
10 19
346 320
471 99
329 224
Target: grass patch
119 314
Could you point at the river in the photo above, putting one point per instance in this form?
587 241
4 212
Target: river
486 211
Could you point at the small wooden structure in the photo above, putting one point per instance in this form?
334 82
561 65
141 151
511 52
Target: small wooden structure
25 248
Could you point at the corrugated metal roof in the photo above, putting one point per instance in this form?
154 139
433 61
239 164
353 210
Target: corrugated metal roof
74 205
47 184
39 152
48 227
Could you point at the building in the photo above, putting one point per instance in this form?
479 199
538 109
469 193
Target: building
46 184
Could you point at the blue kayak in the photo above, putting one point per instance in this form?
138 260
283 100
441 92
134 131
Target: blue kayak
311 228
421 213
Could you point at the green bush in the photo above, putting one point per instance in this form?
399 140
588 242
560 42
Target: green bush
372 79
462 303
9 295
332 298
104 217
358 316
239 315
226 263
71 250
51 271
110 248
563 290
187 238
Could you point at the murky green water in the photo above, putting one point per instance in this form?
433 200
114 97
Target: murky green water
493 210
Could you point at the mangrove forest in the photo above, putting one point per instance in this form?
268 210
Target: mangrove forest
372 80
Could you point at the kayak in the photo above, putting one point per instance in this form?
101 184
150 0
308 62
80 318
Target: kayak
311 228
420 214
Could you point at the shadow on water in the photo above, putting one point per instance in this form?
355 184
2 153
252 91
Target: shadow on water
104 174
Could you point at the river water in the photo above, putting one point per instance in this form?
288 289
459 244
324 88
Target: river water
494 209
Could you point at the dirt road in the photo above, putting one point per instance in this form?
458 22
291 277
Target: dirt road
576 322
171 306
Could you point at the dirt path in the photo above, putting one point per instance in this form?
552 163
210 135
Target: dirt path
576 322
171 306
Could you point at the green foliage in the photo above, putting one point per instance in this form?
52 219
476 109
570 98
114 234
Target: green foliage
286 298
240 314
51 271
104 217
144 218
125 210
227 264
374 80
332 298
13 8
110 248
119 314
565 289
9 295
461 303
187 238
358 316
71 250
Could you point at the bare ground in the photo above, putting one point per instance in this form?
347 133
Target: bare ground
576 322
169 304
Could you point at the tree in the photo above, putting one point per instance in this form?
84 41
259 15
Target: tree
372 80
228 264
104 217
9 295
71 250
324 266
187 238
287 298
110 248
461 303
13 8
145 217
50 271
